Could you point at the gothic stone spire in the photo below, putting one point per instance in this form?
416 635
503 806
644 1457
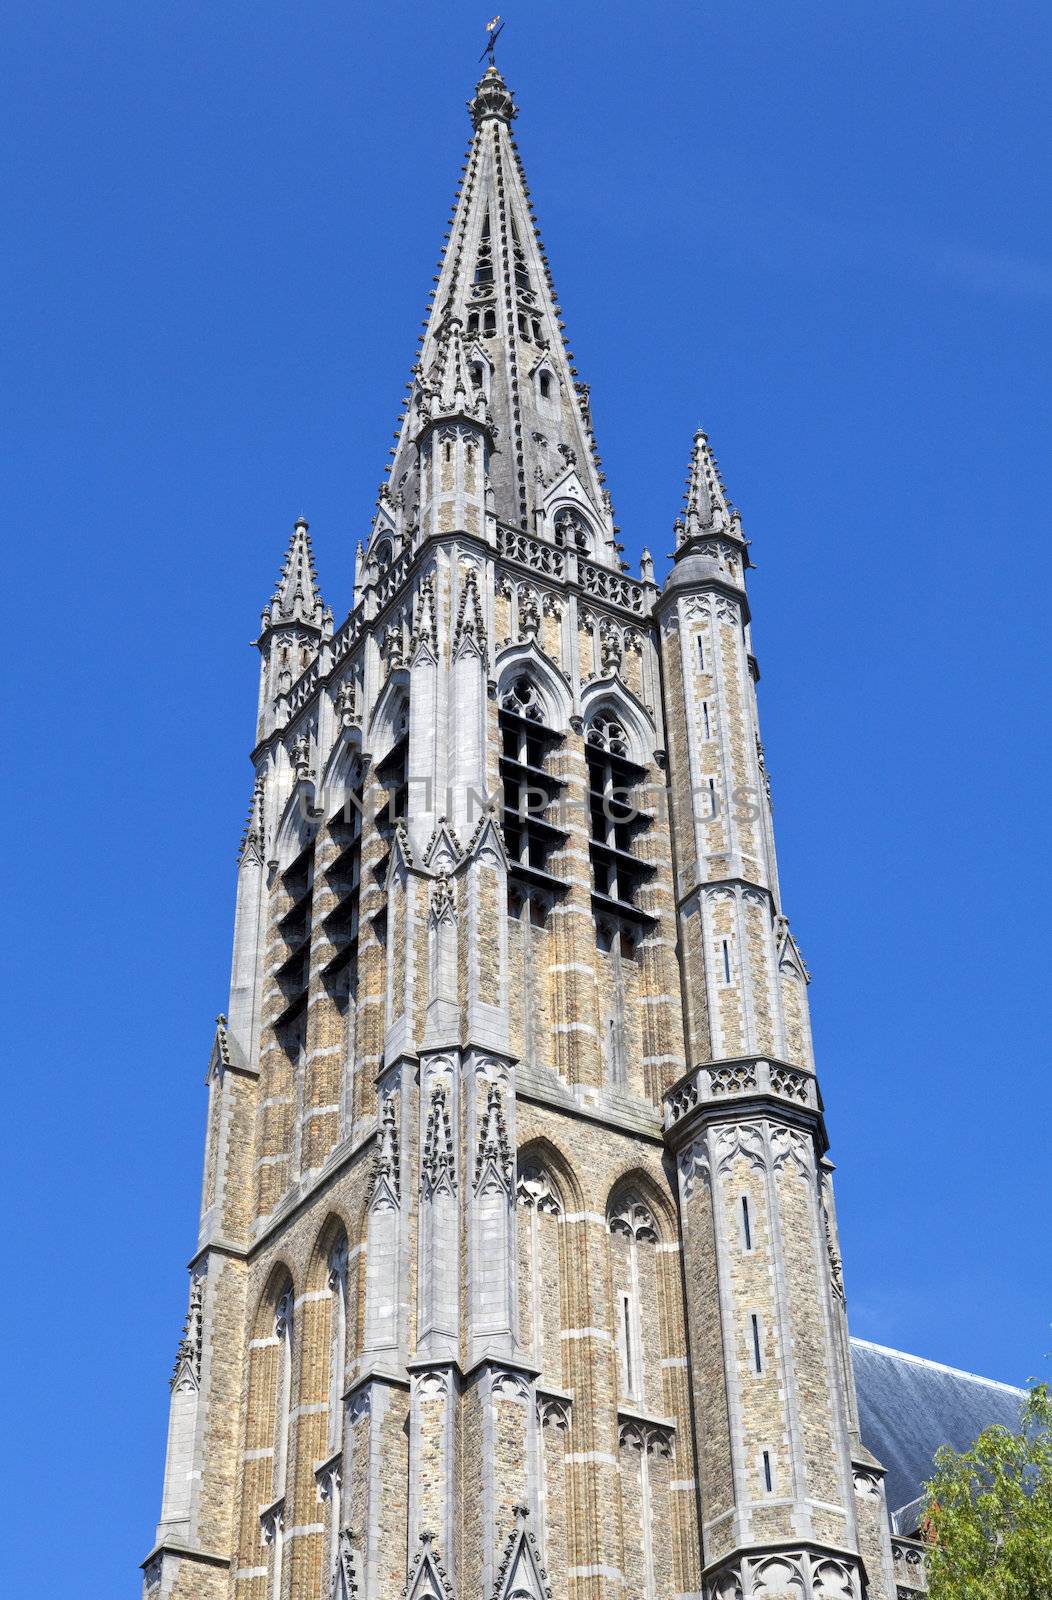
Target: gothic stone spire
493 333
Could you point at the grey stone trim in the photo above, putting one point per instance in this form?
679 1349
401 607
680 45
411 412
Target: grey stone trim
186 1552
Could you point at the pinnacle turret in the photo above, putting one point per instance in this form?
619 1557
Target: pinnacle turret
706 508
297 597
450 388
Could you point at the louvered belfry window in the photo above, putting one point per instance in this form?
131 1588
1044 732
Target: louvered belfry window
531 791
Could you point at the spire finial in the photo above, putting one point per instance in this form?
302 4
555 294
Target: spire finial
493 98
494 28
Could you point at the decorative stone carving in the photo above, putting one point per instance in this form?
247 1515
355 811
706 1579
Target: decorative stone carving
347 703
443 904
679 1101
738 1078
532 553
253 843
431 1385
529 614
344 1584
359 1407
789 1144
428 1578
534 1188
299 755
780 1577
553 1411
283 1316
611 649
653 1438
510 1386
385 1188
832 1579
438 1158
607 733
792 1085
493 1163
521 698
187 1373
740 1139
391 647
470 626
632 1218
520 1575
425 624
337 1276
272 1521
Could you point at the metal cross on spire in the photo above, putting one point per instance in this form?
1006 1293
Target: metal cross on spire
494 29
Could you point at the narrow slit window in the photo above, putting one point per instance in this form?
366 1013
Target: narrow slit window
726 960
768 1481
757 1354
713 804
705 718
746 1223
626 1334
448 450
701 654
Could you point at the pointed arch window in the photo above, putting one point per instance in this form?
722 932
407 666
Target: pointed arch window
616 823
272 1517
540 1251
337 1283
530 792
283 1335
633 1235
489 323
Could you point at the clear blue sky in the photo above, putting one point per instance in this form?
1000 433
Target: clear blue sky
821 229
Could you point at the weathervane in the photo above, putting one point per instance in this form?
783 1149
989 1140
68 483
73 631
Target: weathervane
494 29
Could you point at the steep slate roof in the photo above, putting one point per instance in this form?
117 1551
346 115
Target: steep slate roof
908 1407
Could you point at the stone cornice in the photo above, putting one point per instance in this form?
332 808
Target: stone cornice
186 1552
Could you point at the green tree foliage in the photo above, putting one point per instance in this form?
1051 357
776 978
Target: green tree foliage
988 1520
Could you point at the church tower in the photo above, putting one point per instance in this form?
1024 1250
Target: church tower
517 1273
